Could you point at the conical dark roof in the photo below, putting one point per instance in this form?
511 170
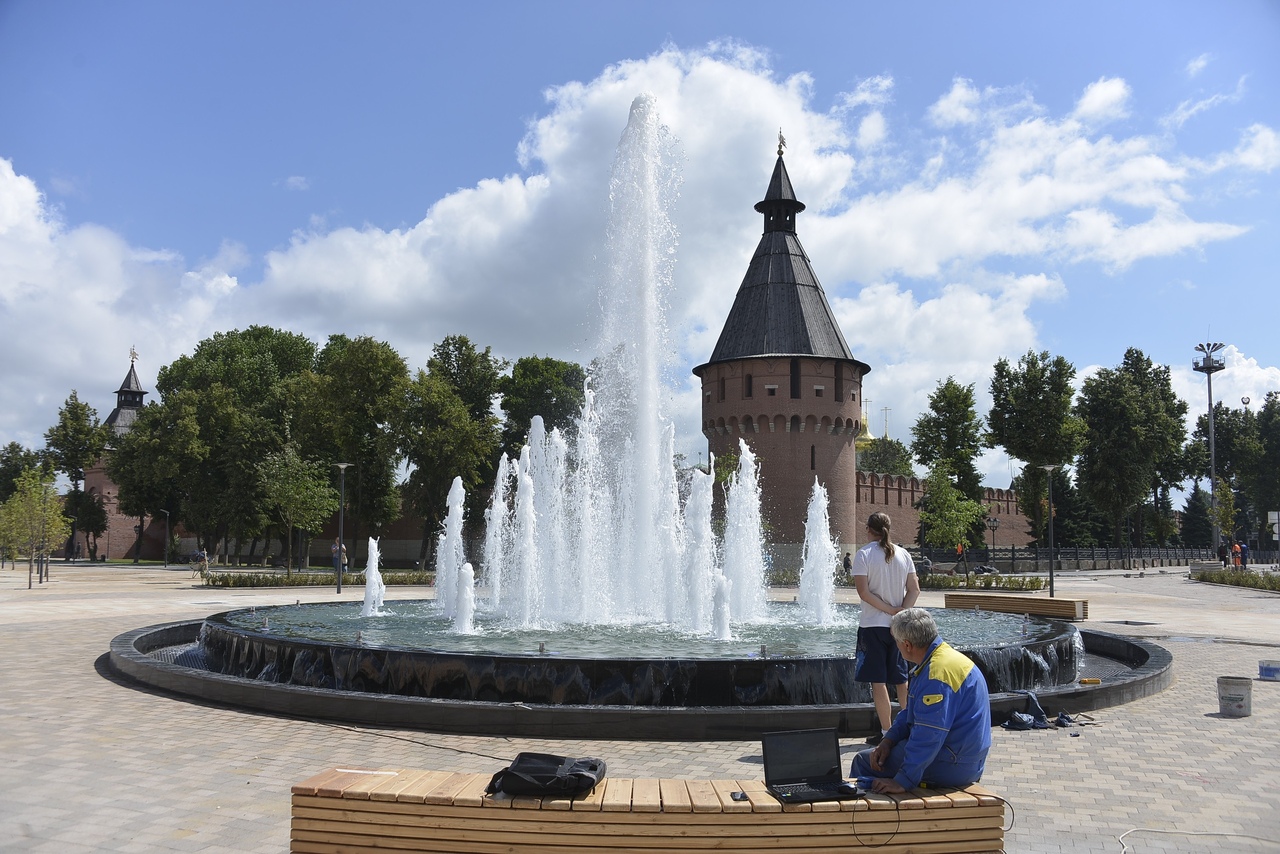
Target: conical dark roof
780 309
128 402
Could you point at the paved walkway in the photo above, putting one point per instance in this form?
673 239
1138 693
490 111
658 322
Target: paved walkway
90 764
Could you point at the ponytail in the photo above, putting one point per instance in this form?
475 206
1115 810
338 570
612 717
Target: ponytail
879 524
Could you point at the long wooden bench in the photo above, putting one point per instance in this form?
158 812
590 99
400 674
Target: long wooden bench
379 810
1041 606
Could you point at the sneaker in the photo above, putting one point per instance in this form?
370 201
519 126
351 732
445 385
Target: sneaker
873 740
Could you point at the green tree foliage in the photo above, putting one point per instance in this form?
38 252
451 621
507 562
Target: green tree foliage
1267 489
14 460
1223 514
1240 454
1032 420
32 517
298 494
441 440
951 433
539 386
89 516
887 457
364 382
1134 435
475 376
77 440
947 516
1197 527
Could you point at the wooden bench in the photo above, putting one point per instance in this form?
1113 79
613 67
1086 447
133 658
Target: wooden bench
369 810
1041 606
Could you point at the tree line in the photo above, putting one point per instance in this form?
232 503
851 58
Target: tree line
242 444
1115 451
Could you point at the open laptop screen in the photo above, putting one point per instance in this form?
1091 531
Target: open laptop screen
805 755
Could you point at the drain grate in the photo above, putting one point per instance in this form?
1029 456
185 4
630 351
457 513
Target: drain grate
185 655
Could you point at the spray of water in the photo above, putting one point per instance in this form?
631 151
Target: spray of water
818 560
374 588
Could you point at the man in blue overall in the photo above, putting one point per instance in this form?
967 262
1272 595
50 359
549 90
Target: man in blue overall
943 735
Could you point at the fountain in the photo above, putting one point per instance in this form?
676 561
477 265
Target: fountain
374 588
605 604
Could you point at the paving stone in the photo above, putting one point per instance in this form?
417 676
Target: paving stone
94 764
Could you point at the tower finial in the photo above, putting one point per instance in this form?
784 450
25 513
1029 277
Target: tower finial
782 142
133 354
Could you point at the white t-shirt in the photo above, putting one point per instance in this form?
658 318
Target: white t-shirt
888 580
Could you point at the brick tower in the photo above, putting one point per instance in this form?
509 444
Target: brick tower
783 378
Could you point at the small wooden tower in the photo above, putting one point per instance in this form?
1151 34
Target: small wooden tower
783 378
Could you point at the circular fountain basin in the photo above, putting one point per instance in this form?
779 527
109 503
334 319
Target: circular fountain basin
784 693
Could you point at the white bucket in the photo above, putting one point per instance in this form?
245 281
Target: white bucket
1269 670
1235 696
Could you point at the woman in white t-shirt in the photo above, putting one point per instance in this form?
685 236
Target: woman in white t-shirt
886 581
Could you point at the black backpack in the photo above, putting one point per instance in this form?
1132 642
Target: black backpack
547 774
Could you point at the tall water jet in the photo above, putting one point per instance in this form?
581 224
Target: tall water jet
743 558
700 568
465 612
818 560
374 588
449 552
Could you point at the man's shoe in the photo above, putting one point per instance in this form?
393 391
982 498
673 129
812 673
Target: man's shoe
873 740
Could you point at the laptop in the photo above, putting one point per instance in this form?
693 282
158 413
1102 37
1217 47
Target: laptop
803 766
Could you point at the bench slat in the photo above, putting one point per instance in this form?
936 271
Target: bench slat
617 796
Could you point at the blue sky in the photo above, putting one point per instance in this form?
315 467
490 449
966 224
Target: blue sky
981 179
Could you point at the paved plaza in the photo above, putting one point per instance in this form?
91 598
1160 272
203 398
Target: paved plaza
93 764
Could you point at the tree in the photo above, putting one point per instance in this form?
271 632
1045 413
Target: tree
74 444
441 441
1133 436
235 392
14 460
32 517
89 516
539 386
951 433
475 376
1197 527
947 516
364 383
298 494
1267 489
1032 420
1224 514
886 456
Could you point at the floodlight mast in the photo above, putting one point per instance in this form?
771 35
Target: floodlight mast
1209 366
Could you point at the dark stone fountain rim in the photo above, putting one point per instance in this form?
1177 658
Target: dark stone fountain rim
1152 672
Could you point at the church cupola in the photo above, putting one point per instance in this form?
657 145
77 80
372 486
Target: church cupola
128 399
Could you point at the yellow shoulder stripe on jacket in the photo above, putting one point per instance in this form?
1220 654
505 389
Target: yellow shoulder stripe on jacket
949 667
930 699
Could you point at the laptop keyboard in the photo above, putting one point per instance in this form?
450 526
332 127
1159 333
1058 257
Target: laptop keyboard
799 788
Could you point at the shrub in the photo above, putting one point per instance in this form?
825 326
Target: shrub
1239 578
310 579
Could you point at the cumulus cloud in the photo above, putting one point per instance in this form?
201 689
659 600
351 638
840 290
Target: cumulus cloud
1104 100
977 223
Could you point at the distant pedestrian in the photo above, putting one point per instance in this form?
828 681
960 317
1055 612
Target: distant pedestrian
1223 551
1244 555
1235 554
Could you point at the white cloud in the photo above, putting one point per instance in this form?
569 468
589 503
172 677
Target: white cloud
957 107
1258 151
1189 108
871 131
1195 66
874 91
1104 100
297 183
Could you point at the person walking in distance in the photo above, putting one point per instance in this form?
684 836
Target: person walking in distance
885 578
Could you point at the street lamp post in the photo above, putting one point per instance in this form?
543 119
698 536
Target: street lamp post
1049 470
342 503
1209 366
994 524
166 538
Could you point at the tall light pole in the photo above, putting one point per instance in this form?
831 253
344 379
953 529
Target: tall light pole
993 523
166 538
1209 366
1049 470
342 504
